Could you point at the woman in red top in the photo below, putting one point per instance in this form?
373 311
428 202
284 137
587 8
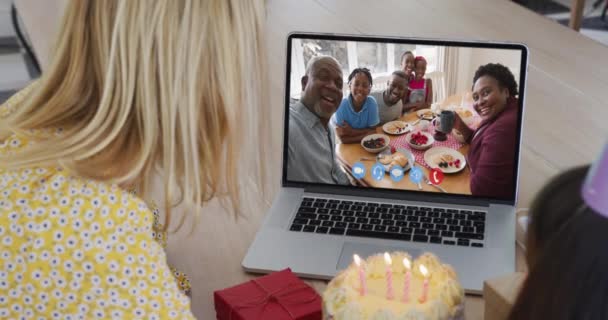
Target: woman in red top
491 154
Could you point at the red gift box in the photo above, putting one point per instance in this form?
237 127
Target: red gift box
277 296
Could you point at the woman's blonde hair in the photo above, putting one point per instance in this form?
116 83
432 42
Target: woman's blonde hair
141 85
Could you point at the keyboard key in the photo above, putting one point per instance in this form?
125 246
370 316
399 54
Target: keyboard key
427 209
327 223
386 205
359 203
428 226
354 225
434 214
334 201
448 234
340 225
479 224
350 219
420 213
452 211
360 214
436 233
382 210
465 235
308 199
392 229
300 221
323 217
380 228
307 210
426 219
347 202
460 216
412 219
321 230
362 220
438 210
468 229
321 200
314 222
306 204
412 208
356 208
381 235
394 211
319 205
435 240
296 227
447 215
401 224
374 215
439 220
452 222
348 213
477 244
367 227
388 222
323 211
420 231
398 206
414 225
336 218
463 242
331 206
386 216
339 231
454 228
441 227
309 229
369 209
408 212
466 212
407 230
420 238
375 221
335 211
344 207
372 204
449 242
466 223
480 230
399 217
477 218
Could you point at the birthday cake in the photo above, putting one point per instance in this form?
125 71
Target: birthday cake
392 286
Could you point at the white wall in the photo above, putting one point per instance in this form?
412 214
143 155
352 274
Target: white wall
471 58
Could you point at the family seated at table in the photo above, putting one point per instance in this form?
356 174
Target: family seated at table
311 154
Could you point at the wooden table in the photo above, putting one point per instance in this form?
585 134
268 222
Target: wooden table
567 76
349 154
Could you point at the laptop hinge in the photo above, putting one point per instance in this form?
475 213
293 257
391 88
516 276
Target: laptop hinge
399 195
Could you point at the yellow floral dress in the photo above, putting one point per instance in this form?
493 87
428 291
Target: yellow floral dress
73 248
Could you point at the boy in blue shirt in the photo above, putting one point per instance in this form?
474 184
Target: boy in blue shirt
357 114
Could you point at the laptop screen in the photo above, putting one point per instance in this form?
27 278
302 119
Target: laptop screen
404 114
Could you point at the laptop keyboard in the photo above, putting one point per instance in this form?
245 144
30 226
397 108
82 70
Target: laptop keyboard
397 222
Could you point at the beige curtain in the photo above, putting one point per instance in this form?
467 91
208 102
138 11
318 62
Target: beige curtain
448 63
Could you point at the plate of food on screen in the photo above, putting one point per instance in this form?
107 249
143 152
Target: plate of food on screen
419 140
375 143
425 114
395 157
445 159
396 127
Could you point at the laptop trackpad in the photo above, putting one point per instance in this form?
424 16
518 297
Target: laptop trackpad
365 250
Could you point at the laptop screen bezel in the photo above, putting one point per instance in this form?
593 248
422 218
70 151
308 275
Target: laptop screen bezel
396 193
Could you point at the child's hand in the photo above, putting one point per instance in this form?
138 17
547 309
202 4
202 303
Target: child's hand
344 129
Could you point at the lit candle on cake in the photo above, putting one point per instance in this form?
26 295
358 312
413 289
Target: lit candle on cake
362 284
389 276
406 284
425 285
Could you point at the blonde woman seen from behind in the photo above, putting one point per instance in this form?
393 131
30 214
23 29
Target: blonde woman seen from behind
135 89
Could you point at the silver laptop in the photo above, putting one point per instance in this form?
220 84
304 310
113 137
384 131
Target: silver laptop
317 222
